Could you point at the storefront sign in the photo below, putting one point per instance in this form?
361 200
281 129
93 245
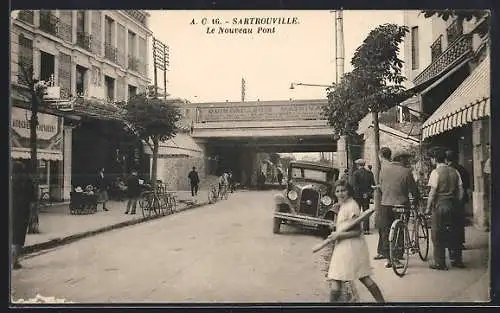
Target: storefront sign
49 135
292 111
47 124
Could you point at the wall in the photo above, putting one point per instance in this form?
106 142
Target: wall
173 171
386 140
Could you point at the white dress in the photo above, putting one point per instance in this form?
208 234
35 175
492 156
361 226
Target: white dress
350 258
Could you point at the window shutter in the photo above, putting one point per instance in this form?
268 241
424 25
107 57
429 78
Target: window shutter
142 55
120 92
66 25
65 75
96 76
25 57
121 46
96 32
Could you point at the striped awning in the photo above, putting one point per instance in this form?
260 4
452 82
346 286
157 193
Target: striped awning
469 102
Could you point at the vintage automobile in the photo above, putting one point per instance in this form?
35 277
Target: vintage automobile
308 200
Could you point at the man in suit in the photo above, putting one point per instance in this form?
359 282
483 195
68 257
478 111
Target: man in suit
194 181
396 185
362 180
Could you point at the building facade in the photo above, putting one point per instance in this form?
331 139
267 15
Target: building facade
448 63
98 57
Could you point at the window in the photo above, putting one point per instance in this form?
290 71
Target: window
414 48
132 91
81 73
110 88
80 21
25 57
108 31
436 48
131 44
47 66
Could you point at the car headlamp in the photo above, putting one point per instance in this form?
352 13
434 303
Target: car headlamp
292 195
326 200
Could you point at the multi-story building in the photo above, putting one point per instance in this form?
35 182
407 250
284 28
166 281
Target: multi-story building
448 63
99 57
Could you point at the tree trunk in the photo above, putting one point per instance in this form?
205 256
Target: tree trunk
376 170
33 225
156 146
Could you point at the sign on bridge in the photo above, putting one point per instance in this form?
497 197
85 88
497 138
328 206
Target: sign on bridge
284 112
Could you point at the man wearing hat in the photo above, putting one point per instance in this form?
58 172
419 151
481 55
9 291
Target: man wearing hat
396 184
362 181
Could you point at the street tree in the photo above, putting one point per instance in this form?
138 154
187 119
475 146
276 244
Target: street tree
463 15
153 120
374 85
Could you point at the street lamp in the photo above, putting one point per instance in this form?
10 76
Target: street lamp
292 85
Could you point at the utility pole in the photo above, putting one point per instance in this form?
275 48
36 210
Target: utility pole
243 89
339 72
161 60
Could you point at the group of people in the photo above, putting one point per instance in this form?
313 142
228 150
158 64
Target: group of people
448 183
224 181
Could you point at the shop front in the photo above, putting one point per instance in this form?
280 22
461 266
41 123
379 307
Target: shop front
463 121
49 149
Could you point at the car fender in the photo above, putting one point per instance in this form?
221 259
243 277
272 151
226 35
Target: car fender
281 199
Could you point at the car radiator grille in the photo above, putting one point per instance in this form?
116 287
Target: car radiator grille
309 202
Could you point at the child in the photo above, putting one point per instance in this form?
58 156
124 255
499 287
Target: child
350 259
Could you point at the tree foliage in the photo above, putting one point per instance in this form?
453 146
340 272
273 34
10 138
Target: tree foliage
154 120
375 83
466 15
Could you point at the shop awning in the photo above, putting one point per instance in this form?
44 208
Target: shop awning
469 102
181 145
22 153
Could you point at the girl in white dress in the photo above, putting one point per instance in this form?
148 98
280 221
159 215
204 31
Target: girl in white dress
350 259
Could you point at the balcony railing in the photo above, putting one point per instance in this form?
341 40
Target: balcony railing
456 51
110 52
49 23
436 48
133 63
137 15
84 40
454 31
26 16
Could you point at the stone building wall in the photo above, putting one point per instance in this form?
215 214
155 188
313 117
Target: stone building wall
173 171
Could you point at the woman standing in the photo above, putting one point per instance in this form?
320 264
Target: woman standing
350 259
102 189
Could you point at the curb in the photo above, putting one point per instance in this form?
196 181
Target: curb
71 238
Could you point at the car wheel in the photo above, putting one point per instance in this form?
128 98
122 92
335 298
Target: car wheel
276 225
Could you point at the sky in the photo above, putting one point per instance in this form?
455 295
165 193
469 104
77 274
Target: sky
209 67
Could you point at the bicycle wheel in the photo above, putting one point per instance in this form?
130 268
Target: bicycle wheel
399 247
145 205
422 238
173 203
163 204
212 196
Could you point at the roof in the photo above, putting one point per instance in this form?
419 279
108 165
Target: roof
469 102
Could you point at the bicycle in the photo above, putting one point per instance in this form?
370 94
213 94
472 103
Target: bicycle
223 192
409 235
151 204
213 194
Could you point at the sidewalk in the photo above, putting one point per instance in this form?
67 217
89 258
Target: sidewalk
455 285
58 226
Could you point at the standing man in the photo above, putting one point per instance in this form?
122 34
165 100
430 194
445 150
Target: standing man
363 181
194 181
22 195
396 185
459 218
381 216
133 192
444 198
102 186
